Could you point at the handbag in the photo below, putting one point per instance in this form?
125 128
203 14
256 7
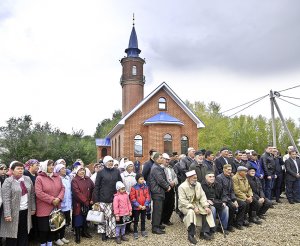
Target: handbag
57 219
84 209
95 216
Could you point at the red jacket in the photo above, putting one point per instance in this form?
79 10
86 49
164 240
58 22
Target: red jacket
46 190
82 190
121 203
139 195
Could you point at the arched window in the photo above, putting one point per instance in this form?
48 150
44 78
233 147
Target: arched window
168 144
162 104
184 144
133 70
138 145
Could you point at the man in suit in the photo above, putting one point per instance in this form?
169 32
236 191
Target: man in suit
292 167
222 160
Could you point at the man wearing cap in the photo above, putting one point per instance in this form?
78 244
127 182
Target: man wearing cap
159 185
222 159
262 204
195 207
243 190
199 167
259 173
169 202
186 162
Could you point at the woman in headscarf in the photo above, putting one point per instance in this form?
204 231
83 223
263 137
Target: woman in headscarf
18 206
82 190
66 204
49 191
105 188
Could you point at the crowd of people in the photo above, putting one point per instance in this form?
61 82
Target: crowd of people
222 193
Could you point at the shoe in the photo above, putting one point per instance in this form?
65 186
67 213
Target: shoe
123 238
219 229
205 236
274 203
230 228
162 227
66 241
136 235
118 240
144 234
84 233
192 239
77 235
272 206
239 227
246 223
104 237
291 202
296 201
262 216
169 223
59 242
278 201
148 216
158 231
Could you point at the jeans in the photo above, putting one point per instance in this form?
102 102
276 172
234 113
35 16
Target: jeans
269 183
223 214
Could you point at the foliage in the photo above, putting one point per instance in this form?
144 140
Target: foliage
106 125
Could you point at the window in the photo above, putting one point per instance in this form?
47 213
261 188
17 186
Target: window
133 70
184 144
168 144
104 152
162 104
138 145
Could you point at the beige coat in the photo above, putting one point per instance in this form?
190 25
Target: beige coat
241 187
189 198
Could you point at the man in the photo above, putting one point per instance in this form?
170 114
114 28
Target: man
199 167
262 203
268 164
174 159
195 207
137 165
186 162
244 158
259 173
222 160
215 197
237 161
287 155
279 164
158 186
243 191
148 165
209 162
292 180
235 206
169 202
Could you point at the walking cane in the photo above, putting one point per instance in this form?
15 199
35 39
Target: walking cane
221 224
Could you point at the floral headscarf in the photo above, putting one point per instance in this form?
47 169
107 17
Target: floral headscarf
29 163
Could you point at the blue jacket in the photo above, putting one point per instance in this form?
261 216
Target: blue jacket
259 170
66 204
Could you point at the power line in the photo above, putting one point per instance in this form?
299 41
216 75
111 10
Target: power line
249 105
290 97
290 88
244 104
289 102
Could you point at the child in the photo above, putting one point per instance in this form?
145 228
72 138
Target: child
122 209
140 198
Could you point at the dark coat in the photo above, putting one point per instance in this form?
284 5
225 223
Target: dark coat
200 171
211 166
184 166
256 187
105 185
158 182
220 162
146 169
291 171
82 190
214 192
268 164
227 184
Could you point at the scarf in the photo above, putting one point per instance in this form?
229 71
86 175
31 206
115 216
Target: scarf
22 184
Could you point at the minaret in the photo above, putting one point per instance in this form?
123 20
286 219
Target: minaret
132 79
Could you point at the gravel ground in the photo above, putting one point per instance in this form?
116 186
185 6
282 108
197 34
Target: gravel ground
280 228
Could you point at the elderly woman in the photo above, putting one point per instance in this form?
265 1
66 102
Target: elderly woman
18 206
105 188
128 176
66 204
97 168
49 191
82 189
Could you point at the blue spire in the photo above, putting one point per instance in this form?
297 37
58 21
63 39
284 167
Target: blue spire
133 50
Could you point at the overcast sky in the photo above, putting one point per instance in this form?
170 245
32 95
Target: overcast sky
59 59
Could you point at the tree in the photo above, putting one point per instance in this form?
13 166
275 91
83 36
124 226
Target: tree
106 125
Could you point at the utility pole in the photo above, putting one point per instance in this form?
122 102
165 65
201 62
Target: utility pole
282 119
273 117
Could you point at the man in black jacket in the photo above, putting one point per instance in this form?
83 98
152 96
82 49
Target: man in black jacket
186 162
292 167
222 159
158 186
148 165
209 162
199 167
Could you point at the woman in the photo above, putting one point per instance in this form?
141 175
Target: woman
97 168
18 206
82 189
49 192
105 188
66 204
128 176
3 171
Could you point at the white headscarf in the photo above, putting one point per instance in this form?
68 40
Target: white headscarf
43 166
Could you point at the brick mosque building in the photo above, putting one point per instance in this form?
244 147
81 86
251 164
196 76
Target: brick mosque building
160 121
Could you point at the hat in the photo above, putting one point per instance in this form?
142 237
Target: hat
247 151
76 163
77 168
138 176
60 161
43 166
166 156
209 172
252 167
107 159
190 173
29 163
242 168
119 185
58 167
224 148
128 163
199 152
116 162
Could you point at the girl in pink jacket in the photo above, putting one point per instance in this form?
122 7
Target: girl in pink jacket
122 210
